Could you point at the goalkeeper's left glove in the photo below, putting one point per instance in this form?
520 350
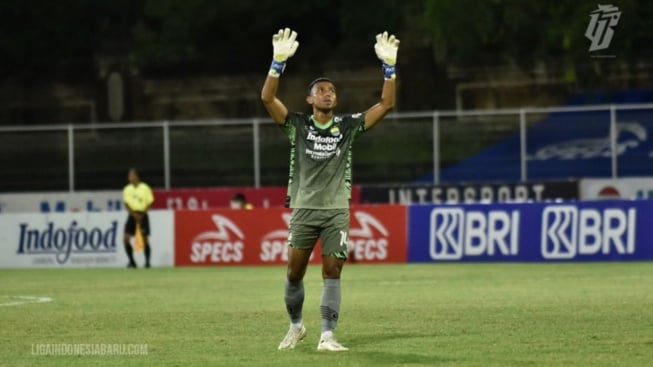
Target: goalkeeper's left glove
386 50
284 46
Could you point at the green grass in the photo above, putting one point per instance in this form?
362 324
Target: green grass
397 315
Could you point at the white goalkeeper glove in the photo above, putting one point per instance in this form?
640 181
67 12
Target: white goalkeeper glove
386 50
284 46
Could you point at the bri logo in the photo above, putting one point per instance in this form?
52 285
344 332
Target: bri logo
62 242
457 233
569 232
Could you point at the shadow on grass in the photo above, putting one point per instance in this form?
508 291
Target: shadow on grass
365 339
386 357
402 359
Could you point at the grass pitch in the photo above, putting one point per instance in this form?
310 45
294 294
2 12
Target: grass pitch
598 314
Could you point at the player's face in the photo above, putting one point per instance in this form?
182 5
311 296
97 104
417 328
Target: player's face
132 176
323 96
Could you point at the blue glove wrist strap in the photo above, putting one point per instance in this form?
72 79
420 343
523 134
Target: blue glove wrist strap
389 71
276 68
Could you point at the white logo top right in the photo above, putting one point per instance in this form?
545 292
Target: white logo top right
600 29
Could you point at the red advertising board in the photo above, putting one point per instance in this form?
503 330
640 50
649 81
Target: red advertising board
211 198
256 237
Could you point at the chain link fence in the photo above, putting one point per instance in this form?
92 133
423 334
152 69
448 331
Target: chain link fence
434 146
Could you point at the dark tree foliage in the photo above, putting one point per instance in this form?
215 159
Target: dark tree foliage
181 37
235 36
471 33
44 37
184 37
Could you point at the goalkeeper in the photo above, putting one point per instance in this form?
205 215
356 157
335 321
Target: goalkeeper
319 181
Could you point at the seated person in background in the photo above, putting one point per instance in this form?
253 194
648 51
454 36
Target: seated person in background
240 202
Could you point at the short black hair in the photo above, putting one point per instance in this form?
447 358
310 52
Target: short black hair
320 79
239 197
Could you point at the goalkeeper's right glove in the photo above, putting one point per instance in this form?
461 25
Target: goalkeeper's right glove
386 50
284 46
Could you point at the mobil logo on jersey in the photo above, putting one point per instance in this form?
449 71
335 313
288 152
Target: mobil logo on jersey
207 238
377 234
571 232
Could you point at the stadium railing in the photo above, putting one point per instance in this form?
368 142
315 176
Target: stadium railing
432 146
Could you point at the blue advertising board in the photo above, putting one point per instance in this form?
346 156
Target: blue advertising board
531 232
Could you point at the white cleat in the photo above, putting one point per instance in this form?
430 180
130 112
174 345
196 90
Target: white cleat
294 335
329 344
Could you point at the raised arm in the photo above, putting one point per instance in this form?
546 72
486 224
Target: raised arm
386 50
284 46
273 105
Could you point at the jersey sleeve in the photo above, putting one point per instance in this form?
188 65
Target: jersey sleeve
290 125
356 122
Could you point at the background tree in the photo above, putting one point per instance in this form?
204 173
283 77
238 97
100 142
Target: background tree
467 33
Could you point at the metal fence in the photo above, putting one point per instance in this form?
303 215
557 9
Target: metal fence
432 146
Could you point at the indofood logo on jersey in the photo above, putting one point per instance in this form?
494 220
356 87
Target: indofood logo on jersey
325 143
323 146
63 241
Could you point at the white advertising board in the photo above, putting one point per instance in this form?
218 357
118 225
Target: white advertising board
51 202
621 188
82 239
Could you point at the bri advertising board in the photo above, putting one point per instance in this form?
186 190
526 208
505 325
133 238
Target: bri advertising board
255 237
83 239
582 231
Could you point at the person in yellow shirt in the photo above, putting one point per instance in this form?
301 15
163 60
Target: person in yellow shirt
138 198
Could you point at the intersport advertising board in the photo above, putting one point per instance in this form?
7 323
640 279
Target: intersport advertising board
581 231
255 237
83 239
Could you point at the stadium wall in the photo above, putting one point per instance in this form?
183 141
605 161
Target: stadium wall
274 196
173 199
258 237
602 230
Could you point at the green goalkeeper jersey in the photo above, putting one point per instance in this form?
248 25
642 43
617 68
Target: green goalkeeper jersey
320 160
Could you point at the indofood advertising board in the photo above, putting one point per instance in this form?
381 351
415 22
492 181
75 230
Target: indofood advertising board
84 239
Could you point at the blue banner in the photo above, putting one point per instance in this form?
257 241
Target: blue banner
582 231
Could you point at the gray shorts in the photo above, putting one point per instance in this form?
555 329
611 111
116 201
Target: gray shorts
331 226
